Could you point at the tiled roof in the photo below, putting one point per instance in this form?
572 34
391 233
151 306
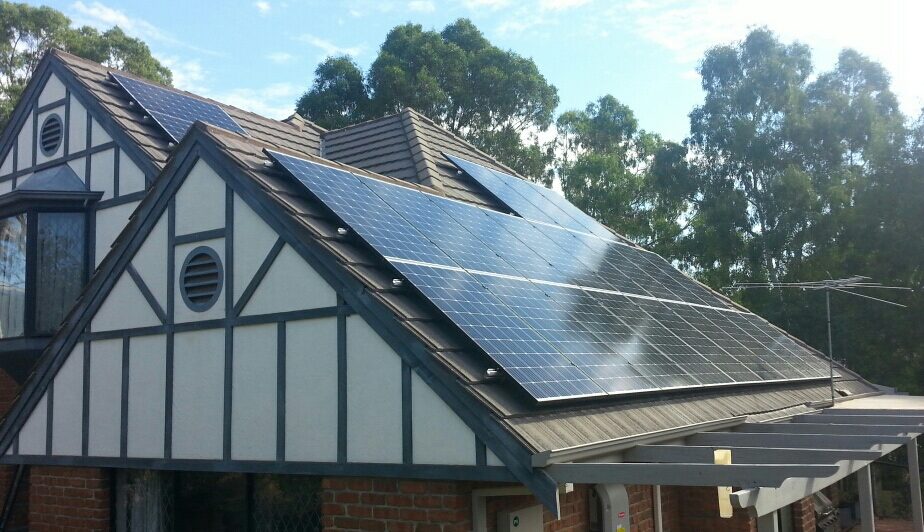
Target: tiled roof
410 147
540 427
299 135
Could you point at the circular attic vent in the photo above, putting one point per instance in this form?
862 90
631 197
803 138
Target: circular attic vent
201 279
52 133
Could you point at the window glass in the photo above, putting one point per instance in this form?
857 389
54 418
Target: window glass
12 275
61 241
210 502
286 503
152 501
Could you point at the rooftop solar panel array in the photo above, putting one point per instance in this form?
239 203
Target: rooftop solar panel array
566 314
531 200
173 111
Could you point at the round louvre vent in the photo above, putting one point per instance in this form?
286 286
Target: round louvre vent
52 133
201 278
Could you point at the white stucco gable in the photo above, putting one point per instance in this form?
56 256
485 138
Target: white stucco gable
277 369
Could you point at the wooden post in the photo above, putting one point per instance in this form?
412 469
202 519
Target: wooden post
914 479
865 487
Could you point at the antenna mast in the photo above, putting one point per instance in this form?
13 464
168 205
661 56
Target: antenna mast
845 285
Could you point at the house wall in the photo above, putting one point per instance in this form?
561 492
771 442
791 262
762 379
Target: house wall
389 504
97 159
279 369
69 499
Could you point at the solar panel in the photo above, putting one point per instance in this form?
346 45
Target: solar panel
173 111
531 200
564 313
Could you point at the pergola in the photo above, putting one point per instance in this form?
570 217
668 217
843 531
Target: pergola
773 464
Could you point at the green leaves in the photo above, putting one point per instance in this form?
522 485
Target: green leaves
628 179
338 96
27 32
494 98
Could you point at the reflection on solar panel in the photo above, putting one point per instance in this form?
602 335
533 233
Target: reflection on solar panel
564 313
532 201
173 111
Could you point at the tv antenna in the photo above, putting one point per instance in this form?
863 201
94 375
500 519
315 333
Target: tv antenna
845 285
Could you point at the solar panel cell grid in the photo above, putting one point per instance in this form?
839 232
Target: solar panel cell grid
528 357
174 111
564 313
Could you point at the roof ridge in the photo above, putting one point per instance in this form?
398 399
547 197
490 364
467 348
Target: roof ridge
363 123
421 157
220 134
468 144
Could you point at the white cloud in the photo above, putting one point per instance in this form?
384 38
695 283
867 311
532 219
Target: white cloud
272 101
188 75
421 6
887 31
561 5
280 58
328 48
361 8
263 7
485 4
103 17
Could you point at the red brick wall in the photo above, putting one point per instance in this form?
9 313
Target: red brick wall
69 499
670 508
438 506
641 508
8 391
698 509
383 504
803 516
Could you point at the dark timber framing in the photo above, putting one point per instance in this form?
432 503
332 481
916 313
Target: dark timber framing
414 471
29 104
281 391
352 298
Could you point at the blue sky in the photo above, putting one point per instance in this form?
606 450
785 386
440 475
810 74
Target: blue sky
260 55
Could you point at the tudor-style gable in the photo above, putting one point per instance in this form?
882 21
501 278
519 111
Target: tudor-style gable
68 183
278 371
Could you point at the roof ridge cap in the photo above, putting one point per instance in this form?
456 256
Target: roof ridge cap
422 162
491 158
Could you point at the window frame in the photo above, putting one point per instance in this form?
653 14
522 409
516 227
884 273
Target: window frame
31 203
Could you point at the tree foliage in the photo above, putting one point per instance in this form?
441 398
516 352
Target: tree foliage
28 32
627 178
495 98
784 177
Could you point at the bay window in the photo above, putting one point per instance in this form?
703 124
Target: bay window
43 264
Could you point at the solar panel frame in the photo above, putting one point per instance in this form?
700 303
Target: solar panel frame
556 338
168 107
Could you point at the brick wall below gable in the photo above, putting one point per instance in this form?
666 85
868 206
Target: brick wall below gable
69 499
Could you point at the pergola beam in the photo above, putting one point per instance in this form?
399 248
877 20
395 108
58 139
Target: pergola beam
795 441
859 419
872 412
766 500
743 475
744 455
830 428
